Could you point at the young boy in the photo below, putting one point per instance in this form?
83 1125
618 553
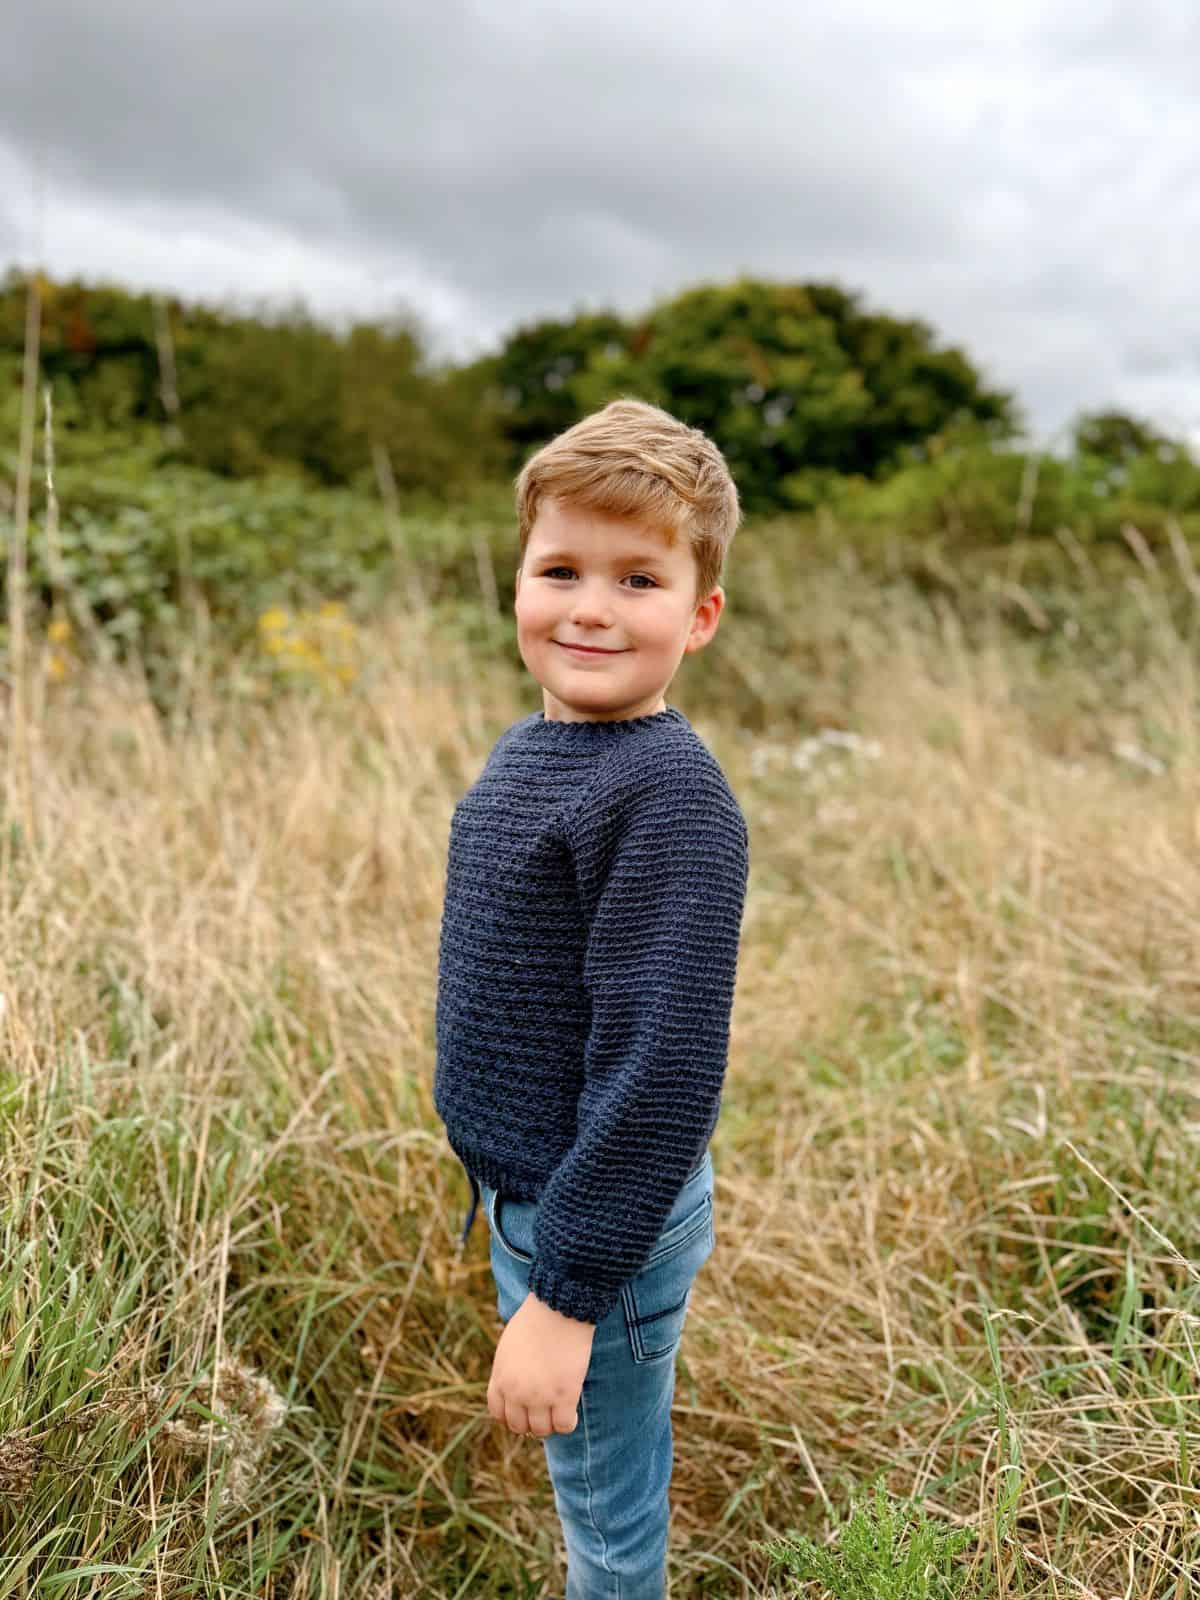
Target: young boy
594 895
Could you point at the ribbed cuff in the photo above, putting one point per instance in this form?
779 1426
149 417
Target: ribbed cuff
583 1301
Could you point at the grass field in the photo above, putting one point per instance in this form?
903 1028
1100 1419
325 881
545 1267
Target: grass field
956 1167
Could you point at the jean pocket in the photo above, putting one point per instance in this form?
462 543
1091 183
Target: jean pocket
501 1210
656 1300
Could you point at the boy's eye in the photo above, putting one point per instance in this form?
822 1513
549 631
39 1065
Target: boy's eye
550 572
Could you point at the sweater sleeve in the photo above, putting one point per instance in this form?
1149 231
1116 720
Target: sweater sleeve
661 869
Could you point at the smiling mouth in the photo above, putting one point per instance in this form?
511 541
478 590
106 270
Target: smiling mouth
588 650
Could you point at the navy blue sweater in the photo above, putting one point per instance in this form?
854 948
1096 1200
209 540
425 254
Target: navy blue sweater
595 886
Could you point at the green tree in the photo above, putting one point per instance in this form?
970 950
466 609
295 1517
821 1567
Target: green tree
1126 470
795 382
917 389
532 379
439 427
265 390
96 347
754 366
1115 436
258 394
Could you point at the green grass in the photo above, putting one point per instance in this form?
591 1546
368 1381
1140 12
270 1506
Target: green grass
955 1196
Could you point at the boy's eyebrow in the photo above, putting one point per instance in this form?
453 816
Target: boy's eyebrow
637 558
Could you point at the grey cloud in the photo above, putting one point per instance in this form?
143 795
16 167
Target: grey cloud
1011 177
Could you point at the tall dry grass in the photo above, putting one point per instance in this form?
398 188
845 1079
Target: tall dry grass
955 1169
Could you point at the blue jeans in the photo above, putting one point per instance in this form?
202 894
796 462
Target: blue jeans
611 1475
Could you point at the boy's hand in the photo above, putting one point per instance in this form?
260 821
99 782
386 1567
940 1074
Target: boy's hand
538 1371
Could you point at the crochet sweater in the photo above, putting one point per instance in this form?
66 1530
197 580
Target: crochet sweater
595 886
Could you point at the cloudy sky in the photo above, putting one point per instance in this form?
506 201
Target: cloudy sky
1022 174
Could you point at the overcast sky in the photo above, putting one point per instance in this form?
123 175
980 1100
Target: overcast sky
1024 175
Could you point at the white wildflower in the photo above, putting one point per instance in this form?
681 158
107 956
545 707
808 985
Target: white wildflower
1137 757
249 1409
814 755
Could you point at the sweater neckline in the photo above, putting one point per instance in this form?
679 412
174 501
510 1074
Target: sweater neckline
588 733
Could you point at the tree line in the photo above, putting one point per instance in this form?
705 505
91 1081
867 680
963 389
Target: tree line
808 392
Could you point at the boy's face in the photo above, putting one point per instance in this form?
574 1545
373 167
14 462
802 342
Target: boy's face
616 584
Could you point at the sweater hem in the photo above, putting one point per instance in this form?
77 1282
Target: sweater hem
512 1184
484 1168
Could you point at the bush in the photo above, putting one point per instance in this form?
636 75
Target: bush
885 1551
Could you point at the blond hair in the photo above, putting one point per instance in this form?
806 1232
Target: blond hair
635 460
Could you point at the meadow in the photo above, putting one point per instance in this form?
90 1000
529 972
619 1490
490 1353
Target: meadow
958 1242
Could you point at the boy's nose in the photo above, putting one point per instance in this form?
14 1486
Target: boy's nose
593 610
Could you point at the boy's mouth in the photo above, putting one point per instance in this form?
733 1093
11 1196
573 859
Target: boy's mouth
588 650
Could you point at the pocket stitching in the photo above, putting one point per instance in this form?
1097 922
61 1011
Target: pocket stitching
693 1223
657 1316
634 1324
